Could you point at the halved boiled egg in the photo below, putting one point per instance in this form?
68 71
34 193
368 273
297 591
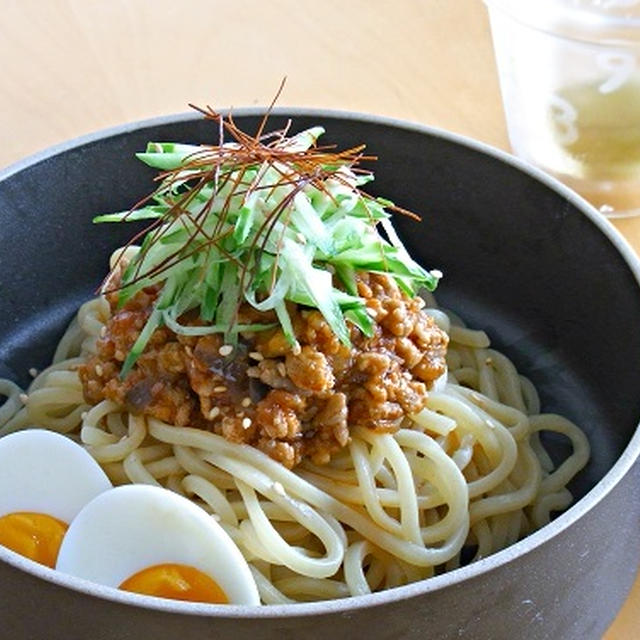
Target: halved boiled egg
152 541
45 480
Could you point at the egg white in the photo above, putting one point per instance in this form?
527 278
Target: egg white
135 527
45 472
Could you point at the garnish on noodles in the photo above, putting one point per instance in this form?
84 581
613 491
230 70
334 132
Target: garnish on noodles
267 348
261 219
263 303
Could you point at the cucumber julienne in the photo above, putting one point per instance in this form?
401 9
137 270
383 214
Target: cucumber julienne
264 219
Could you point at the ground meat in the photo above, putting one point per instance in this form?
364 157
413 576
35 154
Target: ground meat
310 370
291 405
278 415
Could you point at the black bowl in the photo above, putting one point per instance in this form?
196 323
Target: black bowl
524 258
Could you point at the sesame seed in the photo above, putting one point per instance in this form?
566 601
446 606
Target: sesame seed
282 370
33 372
157 388
99 370
220 389
246 423
489 361
279 489
24 398
225 350
246 402
256 355
296 349
103 331
214 413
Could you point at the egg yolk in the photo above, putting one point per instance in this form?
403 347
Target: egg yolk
36 536
176 581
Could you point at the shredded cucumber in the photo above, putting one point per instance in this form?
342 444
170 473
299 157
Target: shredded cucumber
266 232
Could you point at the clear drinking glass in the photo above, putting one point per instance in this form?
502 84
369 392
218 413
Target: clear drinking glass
570 79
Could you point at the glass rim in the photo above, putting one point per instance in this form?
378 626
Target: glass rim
573 23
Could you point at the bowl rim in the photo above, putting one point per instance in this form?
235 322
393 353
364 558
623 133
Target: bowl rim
325 607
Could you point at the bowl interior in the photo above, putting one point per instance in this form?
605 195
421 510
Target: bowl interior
520 260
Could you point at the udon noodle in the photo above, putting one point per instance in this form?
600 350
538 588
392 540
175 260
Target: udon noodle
465 477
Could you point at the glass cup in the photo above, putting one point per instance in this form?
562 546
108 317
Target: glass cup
570 80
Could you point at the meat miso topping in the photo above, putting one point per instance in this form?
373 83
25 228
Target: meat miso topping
290 404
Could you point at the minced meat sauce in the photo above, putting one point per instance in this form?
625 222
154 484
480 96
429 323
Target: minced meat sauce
291 405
